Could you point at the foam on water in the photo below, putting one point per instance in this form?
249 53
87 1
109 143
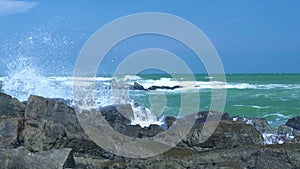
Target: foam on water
210 84
143 116
277 115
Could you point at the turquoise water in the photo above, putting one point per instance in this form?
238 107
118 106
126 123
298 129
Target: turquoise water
275 97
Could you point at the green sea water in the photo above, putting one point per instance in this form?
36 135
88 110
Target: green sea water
275 97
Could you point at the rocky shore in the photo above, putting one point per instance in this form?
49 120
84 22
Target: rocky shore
46 133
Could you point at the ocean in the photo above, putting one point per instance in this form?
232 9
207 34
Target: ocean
275 97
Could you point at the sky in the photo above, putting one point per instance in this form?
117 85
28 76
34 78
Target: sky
250 36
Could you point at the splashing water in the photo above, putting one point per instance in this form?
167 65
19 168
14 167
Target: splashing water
29 59
143 116
26 60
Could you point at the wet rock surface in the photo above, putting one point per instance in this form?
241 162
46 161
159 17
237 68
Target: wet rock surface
227 135
254 156
137 86
10 132
46 133
51 125
11 107
22 158
294 123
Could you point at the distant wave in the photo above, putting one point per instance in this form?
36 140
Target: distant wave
252 106
22 84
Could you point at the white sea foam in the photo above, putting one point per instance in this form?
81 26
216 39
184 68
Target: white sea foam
252 106
27 82
131 78
238 105
278 115
212 84
260 107
144 117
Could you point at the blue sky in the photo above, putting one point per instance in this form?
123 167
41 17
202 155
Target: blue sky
251 36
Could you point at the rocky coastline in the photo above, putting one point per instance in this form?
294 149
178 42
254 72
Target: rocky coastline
46 133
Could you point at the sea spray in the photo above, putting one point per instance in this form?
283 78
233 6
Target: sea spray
143 116
29 60
24 80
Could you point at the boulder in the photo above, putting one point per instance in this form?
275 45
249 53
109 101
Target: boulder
22 158
10 132
285 130
168 121
117 115
226 136
137 131
202 116
138 86
289 134
294 123
11 107
261 125
51 125
11 121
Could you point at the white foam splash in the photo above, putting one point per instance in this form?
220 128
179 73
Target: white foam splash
271 138
26 81
211 84
28 57
144 117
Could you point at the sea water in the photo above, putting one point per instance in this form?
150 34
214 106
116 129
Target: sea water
25 62
275 97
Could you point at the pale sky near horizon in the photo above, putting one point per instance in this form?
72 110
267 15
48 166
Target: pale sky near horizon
250 36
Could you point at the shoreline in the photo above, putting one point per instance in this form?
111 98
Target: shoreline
35 131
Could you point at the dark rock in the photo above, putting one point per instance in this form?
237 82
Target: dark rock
202 116
137 86
253 156
51 125
118 116
164 87
168 121
22 158
261 125
289 134
1 85
285 130
10 132
296 132
296 139
227 135
137 131
121 114
294 123
11 107
64 101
